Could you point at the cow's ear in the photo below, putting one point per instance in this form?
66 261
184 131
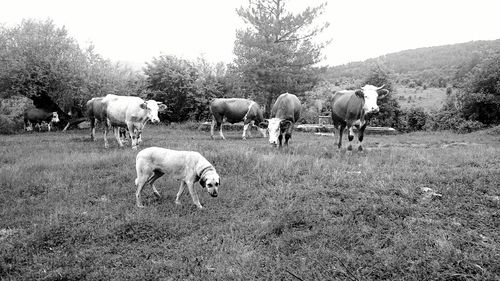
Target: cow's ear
144 105
382 93
360 93
285 125
264 124
161 107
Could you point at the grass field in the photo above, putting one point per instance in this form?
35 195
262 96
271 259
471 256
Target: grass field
307 212
428 99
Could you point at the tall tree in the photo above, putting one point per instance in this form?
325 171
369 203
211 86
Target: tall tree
277 52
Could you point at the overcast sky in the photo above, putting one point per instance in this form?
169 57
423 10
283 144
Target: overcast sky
137 31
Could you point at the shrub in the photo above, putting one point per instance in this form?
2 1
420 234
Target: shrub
452 120
412 119
9 126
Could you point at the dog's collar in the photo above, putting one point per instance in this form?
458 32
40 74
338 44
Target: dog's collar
205 170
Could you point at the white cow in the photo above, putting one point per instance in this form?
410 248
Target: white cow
130 112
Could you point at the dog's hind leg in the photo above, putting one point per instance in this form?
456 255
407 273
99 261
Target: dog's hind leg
157 174
194 195
181 190
140 182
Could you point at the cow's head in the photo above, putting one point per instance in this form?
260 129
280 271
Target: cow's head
153 107
276 127
371 94
55 117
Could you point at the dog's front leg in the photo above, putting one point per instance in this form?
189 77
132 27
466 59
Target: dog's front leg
194 195
181 190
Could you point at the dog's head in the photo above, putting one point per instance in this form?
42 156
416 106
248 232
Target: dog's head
211 181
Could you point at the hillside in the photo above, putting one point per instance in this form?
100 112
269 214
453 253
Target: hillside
433 66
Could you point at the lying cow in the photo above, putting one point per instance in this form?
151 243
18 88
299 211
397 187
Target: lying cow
349 108
284 114
130 112
236 110
35 116
186 166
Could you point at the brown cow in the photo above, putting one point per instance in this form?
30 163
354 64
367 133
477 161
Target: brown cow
349 108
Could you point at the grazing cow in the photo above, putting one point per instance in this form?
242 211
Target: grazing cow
284 114
36 116
186 166
236 110
349 108
96 113
130 112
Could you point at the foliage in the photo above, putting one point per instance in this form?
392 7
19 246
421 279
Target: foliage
276 53
7 125
42 62
172 81
479 96
432 66
451 119
412 119
185 88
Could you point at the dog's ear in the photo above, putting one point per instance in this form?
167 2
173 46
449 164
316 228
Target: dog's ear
203 181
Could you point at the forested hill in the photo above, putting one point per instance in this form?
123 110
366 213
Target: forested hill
433 66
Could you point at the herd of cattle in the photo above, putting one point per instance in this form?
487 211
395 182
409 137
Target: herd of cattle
132 113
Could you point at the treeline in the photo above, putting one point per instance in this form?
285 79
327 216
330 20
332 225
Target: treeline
274 54
439 66
41 62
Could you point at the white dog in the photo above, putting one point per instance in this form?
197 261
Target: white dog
187 166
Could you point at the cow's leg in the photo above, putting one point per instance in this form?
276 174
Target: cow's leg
250 126
92 129
106 129
361 134
134 132
245 128
193 194
287 137
341 131
49 126
219 125
179 193
350 136
116 131
280 139
212 128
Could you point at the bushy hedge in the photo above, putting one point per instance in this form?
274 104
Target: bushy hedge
452 120
9 126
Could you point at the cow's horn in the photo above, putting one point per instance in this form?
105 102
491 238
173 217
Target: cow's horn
380 87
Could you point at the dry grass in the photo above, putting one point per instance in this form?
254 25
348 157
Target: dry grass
307 212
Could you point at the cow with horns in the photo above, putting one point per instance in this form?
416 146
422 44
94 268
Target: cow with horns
349 108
